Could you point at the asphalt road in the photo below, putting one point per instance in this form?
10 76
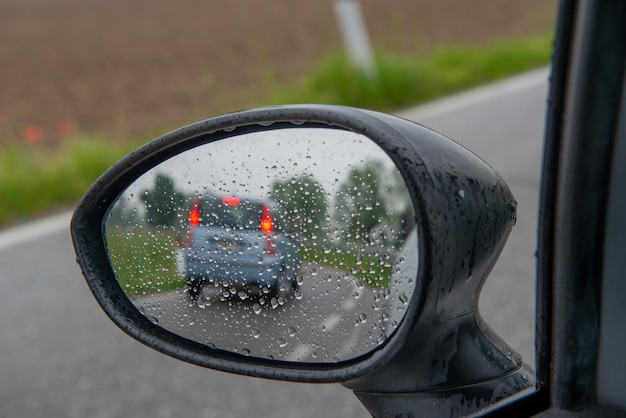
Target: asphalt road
61 357
320 322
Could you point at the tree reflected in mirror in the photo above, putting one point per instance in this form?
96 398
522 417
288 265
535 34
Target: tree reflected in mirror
293 244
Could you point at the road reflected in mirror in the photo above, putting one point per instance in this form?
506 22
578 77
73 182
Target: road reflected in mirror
292 244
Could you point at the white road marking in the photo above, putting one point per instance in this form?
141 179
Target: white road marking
351 301
331 322
300 353
476 96
31 231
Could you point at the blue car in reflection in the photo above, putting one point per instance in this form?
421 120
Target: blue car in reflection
239 247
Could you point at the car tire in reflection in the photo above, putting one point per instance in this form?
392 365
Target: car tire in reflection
194 290
286 283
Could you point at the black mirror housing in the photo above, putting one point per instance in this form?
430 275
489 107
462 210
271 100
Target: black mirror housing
463 211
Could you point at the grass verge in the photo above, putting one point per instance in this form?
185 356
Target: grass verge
144 260
34 181
404 80
368 269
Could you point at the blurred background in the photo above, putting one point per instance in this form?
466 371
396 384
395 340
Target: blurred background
120 69
121 73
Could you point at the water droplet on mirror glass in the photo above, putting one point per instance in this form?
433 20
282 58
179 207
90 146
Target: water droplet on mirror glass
295 233
403 298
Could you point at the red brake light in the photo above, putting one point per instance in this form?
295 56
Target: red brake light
231 201
194 217
194 214
267 223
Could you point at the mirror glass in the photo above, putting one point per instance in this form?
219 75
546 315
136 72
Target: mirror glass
293 244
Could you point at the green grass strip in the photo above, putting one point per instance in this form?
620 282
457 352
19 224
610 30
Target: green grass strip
144 260
34 182
368 269
404 80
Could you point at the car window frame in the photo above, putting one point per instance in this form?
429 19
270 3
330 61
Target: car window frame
582 102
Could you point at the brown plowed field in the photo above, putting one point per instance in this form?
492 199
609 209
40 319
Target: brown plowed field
128 67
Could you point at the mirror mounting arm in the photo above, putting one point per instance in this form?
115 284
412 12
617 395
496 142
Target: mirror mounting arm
450 363
461 368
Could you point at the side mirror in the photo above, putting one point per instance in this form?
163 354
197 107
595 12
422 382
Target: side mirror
309 243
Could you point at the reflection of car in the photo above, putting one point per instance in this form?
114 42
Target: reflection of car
239 245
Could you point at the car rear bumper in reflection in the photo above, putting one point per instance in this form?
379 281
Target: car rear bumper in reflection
233 274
